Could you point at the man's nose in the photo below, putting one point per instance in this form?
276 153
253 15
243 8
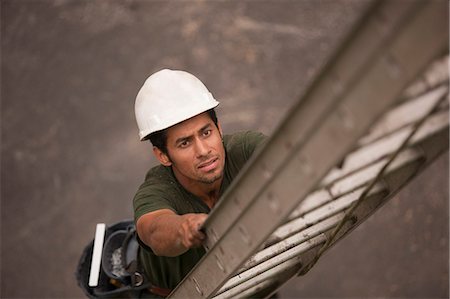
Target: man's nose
202 148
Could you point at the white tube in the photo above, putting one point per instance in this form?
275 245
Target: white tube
97 254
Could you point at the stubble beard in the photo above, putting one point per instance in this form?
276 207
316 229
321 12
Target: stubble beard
208 181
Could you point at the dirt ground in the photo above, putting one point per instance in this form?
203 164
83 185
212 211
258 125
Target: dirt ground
70 154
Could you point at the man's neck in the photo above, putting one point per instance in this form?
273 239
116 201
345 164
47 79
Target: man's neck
208 193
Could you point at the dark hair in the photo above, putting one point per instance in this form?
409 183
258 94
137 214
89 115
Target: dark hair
159 138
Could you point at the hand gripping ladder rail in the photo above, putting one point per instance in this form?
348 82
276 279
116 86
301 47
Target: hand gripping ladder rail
289 199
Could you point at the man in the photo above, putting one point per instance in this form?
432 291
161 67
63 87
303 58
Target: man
175 111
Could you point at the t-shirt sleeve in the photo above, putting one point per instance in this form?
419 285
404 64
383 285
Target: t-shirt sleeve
149 199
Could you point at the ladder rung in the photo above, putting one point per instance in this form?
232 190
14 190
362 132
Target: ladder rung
436 74
272 267
406 114
367 174
333 207
387 145
299 236
311 202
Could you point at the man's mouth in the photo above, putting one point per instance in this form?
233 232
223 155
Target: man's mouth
208 165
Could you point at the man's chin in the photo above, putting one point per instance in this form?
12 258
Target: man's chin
211 180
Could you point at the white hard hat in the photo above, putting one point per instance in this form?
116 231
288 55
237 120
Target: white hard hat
169 97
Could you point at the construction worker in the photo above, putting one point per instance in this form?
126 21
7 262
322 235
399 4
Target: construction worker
175 111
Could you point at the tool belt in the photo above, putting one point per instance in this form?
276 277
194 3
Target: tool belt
121 275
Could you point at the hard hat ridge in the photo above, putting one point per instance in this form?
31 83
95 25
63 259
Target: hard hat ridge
169 97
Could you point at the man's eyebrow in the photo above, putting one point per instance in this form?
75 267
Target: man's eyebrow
204 127
182 139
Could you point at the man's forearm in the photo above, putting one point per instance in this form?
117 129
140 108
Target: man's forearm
164 236
170 234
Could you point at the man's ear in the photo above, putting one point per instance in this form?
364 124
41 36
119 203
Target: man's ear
161 156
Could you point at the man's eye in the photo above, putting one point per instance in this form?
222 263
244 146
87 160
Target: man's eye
207 133
183 144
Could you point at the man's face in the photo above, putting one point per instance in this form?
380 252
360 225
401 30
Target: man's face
196 151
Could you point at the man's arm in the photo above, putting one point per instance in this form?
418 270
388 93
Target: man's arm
169 234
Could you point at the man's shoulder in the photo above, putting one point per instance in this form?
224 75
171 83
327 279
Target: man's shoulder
158 172
239 147
159 177
159 183
242 138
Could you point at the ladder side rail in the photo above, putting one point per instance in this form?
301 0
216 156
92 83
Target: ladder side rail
349 65
428 142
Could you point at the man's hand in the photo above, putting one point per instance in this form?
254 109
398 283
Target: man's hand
169 234
190 233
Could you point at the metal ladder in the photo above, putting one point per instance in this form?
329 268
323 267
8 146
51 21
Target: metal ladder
294 244
354 138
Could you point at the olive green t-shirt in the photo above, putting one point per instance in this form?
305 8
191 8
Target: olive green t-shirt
161 190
